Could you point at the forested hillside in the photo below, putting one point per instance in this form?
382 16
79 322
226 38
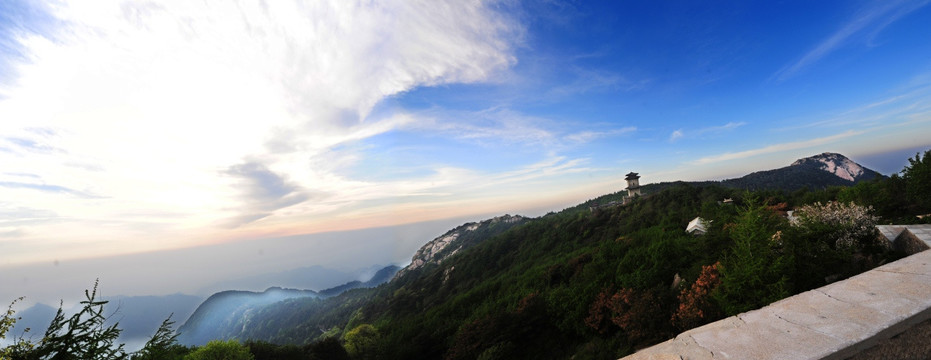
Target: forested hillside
599 282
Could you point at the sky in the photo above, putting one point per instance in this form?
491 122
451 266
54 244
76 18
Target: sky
164 128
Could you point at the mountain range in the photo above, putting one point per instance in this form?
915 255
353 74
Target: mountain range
474 274
816 172
463 260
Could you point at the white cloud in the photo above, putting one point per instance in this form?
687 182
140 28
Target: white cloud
188 107
676 135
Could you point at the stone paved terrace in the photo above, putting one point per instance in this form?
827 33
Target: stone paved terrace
836 321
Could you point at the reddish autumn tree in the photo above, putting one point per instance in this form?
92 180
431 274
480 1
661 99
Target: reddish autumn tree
696 307
599 312
639 313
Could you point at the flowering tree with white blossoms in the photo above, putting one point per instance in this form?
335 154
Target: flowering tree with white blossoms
849 226
833 241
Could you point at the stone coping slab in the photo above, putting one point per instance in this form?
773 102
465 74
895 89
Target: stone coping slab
921 232
835 321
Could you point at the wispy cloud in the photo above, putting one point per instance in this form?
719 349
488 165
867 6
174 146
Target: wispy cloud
14 215
549 167
869 21
681 133
777 148
591 135
884 111
45 187
499 126
595 80
492 127
32 140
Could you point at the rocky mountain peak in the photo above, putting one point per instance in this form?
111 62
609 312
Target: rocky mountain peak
836 164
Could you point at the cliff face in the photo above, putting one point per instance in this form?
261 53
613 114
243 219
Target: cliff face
462 237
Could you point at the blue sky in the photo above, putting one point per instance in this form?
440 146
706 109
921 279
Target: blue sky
135 127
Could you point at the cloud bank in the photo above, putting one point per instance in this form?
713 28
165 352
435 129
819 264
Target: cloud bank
220 113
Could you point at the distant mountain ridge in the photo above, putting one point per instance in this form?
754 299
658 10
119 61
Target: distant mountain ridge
219 316
221 308
382 276
310 277
138 316
815 172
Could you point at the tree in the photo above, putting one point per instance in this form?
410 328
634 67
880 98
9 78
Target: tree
917 175
8 319
83 335
19 346
162 345
754 270
639 313
221 350
695 305
361 341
